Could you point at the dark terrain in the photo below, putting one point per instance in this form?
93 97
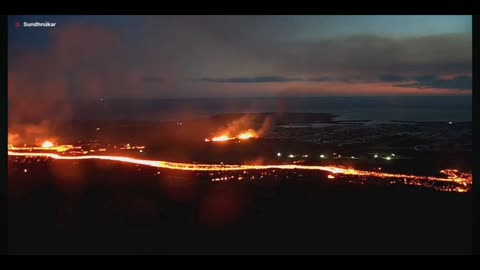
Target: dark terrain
106 207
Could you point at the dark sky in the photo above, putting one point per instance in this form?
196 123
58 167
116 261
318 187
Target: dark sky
231 56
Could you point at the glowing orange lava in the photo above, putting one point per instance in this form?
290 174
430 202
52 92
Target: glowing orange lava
226 137
222 138
452 175
246 135
47 144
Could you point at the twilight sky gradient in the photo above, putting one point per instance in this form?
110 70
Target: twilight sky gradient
238 56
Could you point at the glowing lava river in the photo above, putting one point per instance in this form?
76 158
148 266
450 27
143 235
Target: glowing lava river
462 180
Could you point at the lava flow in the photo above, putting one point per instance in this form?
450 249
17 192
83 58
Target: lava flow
222 138
226 137
453 176
247 135
46 146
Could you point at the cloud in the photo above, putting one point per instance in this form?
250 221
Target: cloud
418 82
369 56
392 78
245 46
271 79
259 79
153 79
431 81
356 58
185 56
324 79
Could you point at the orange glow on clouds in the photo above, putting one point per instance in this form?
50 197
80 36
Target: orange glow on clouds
333 88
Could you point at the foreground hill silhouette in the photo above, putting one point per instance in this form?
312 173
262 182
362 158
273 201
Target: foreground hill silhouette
117 208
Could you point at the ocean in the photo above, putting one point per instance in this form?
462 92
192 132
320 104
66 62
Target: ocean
384 108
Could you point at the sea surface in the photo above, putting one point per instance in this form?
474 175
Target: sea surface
399 108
